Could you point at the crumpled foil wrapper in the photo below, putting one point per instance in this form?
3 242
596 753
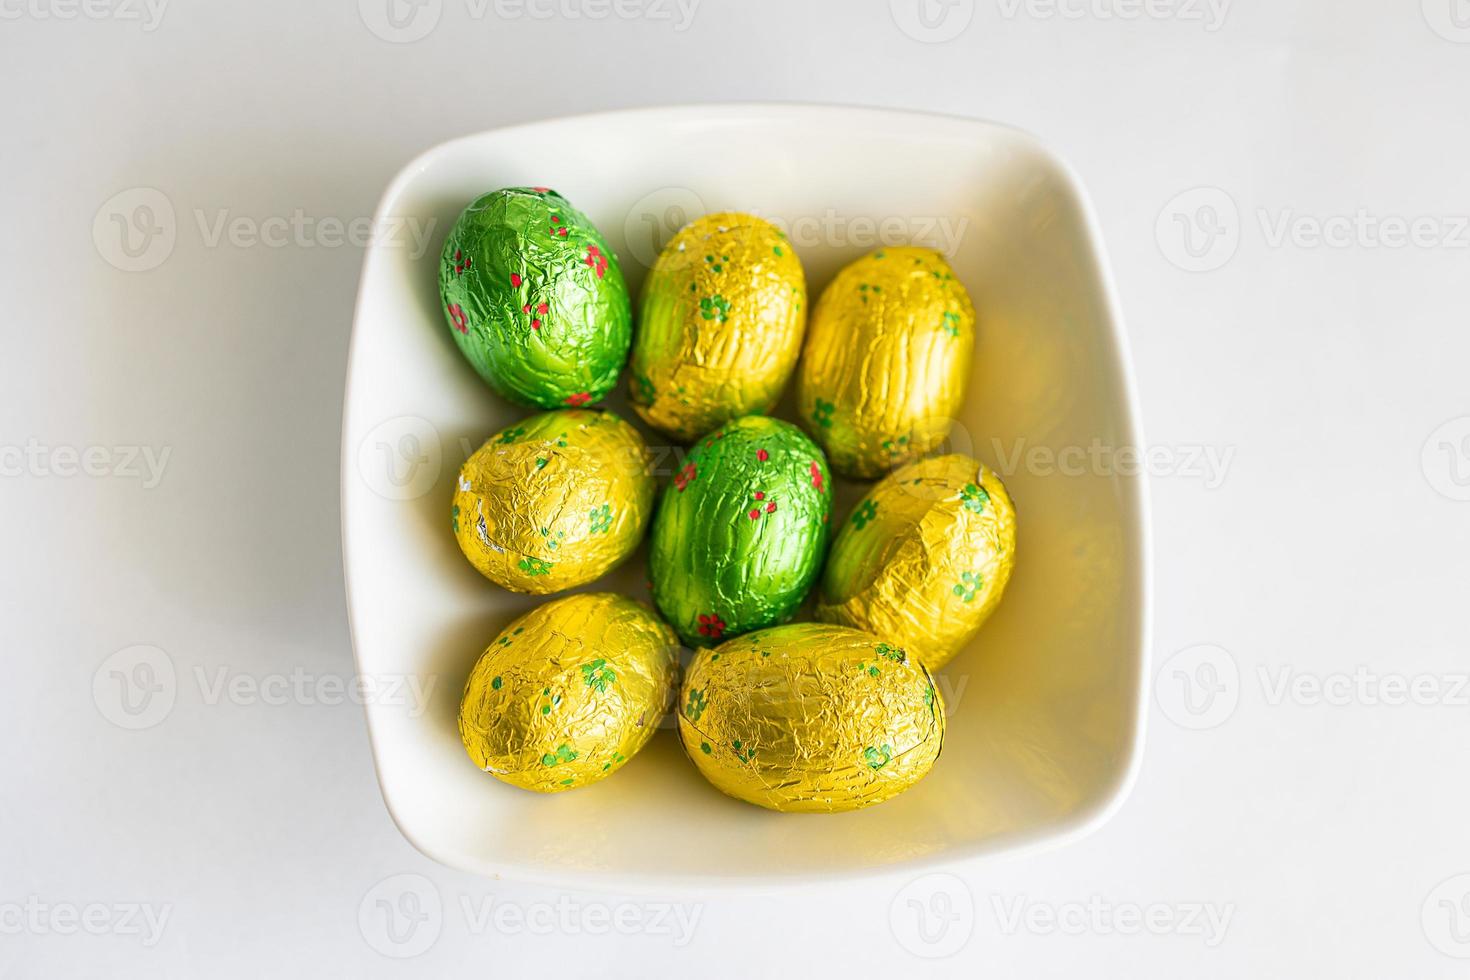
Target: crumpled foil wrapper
553 501
924 558
741 530
720 325
887 360
569 692
810 717
535 299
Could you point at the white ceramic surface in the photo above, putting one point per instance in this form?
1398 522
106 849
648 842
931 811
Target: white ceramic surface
1044 723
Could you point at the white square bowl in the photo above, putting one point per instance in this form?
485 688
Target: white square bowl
1044 708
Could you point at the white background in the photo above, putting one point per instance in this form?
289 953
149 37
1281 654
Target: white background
1326 830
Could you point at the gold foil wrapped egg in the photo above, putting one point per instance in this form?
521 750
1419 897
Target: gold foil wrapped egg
924 558
887 359
719 325
569 692
810 717
554 501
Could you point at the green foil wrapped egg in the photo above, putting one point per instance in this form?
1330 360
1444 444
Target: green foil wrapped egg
925 557
553 501
569 692
887 360
740 533
810 717
535 299
719 326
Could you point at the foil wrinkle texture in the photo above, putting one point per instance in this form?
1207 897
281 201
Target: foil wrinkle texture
535 299
810 717
887 360
569 692
720 325
740 532
553 501
924 558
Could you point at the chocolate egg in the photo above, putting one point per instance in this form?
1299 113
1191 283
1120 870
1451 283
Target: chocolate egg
740 532
810 717
569 692
553 501
886 361
534 298
924 558
719 325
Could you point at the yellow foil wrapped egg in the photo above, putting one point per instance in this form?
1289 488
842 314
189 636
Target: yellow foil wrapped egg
553 501
810 717
887 359
924 558
569 692
719 325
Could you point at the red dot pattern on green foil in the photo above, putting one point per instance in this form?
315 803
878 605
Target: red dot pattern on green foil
456 314
770 506
596 261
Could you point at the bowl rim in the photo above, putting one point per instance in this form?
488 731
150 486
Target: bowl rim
1137 508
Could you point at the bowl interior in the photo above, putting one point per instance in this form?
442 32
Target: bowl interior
1042 707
